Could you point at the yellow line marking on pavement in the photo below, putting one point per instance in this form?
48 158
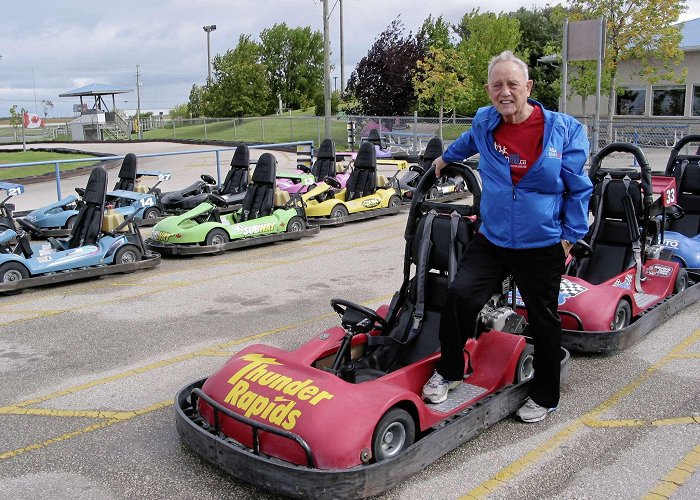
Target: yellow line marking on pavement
676 477
687 355
510 471
643 423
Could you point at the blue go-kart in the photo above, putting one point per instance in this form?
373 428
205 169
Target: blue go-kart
682 227
128 197
99 243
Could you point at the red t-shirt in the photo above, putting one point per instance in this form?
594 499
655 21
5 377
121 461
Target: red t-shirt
520 143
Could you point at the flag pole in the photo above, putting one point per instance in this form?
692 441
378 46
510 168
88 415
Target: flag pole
24 143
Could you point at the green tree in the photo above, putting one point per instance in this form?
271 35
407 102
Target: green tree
47 105
642 30
442 81
294 61
195 106
179 111
240 86
435 33
583 79
15 117
382 83
482 37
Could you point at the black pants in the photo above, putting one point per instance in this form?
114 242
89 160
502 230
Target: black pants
537 273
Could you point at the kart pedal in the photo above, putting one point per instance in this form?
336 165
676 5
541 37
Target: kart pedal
643 299
457 397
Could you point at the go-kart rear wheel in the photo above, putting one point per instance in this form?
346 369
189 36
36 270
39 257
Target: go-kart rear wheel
127 254
525 369
394 201
394 433
339 212
70 222
217 237
11 272
295 224
151 213
622 317
681 281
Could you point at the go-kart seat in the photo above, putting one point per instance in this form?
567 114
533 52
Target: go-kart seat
127 173
259 197
374 138
433 151
325 165
437 247
89 222
363 179
612 234
687 174
237 178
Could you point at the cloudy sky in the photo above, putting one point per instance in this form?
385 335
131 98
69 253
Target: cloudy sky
49 47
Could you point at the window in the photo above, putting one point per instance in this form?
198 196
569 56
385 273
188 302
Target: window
668 101
696 101
630 101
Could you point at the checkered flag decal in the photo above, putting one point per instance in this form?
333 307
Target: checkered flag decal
570 289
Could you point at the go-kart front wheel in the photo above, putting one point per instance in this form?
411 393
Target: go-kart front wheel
217 237
295 224
339 212
394 433
394 201
623 315
127 254
151 213
681 281
11 272
70 222
525 368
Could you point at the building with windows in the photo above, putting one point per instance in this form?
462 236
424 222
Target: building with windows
662 100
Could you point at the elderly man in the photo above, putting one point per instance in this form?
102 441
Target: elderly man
534 206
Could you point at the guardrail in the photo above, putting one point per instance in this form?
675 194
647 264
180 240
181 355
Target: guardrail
216 151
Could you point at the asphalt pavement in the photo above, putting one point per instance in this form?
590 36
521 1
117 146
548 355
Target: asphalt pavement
90 370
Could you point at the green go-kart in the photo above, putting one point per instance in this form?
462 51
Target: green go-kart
266 216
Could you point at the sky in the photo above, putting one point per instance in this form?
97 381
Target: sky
49 47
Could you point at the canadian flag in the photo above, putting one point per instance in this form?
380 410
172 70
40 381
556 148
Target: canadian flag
32 120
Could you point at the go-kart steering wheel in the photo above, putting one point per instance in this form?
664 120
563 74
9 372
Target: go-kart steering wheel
581 249
217 200
208 179
332 182
357 318
304 168
418 169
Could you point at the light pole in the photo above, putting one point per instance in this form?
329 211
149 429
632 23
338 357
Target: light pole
209 29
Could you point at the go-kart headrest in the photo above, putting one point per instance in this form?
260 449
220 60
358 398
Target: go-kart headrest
326 150
96 187
265 169
432 152
366 157
440 235
690 183
613 205
673 157
241 157
596 173
128 169
374 138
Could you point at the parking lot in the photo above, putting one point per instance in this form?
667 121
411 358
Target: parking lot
90 370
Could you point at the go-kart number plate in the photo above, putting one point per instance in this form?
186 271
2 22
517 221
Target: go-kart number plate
161 235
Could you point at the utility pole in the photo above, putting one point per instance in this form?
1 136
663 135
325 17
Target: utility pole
342 53
138 103
326 71
209 29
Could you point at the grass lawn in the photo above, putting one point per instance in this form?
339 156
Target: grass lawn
31 156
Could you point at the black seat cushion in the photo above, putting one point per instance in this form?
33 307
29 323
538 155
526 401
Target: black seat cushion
689 199
259 197
324 166
237 178
88 224
363 179
127 173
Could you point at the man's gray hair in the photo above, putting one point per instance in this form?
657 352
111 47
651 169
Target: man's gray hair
505 56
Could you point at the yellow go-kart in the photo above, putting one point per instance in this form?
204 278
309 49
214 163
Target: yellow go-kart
365 195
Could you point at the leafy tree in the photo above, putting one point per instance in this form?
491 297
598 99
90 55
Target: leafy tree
294 61
195 104
541 33
484 36
180 111
15 117
442 81
583 79
48 106
320 103
435 33
643 30
240 86
382 82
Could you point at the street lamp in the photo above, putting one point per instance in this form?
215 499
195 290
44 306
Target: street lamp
209 29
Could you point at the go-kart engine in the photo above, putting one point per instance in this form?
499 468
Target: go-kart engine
503 319
659 252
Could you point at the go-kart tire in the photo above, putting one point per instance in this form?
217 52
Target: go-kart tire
622 316
395 432
150 213
681 281
339 212
70 222
216 237
394 201
127 254
295 224
525 369
13 271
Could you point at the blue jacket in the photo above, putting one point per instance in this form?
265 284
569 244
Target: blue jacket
550 203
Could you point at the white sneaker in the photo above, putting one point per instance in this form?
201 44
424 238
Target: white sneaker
532 412
435 390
